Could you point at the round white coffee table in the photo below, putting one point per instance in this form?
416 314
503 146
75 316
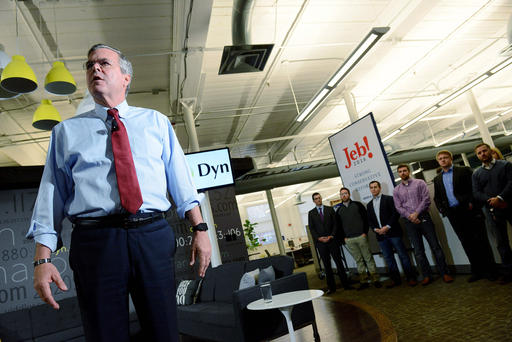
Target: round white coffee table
285 302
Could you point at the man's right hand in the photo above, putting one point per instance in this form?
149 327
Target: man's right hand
45 274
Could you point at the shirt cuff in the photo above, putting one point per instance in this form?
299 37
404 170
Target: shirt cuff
186 207
501 198
48 240
43 235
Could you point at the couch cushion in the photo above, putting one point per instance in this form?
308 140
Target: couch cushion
249 279
207 290
218 313
187 292
282 264
267 275
227 280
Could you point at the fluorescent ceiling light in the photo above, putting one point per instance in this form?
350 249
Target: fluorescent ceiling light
505 112
502 65
419 117
458 92
391 135
492 119
441 117
450 139
366 44
463 89
353 59
312 105
471 129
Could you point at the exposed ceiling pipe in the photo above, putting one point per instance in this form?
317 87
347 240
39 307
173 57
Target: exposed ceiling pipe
240 21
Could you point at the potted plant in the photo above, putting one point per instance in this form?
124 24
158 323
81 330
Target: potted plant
251 239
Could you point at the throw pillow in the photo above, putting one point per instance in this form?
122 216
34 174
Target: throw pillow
249 279
187 292
266 275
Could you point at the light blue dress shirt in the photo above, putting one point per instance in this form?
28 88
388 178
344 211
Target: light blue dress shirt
376 208
79 177
448 186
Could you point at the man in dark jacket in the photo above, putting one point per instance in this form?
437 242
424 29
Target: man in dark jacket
492 187
383 220
352 220
454 199
322 225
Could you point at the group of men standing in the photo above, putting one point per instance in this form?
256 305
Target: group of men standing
460 195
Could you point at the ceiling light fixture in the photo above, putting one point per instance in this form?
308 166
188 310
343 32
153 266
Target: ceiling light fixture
4 61
472 128
361 50
18 76
391 135
419 117
455 94
46 116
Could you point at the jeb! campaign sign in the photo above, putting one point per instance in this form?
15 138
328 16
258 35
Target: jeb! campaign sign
360 158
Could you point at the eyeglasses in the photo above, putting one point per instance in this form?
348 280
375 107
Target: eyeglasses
104 64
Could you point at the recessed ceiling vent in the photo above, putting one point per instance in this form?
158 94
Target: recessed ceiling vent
243 56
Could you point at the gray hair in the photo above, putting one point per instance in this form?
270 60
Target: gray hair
124 64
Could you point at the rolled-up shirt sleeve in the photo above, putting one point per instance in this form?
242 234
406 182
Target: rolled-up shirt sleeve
179 180
48 213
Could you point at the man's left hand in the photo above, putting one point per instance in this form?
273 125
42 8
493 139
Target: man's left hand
202 249
496 202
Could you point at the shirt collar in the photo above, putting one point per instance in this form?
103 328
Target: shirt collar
407 182
320 207
491 164
449 170
102 111
377 197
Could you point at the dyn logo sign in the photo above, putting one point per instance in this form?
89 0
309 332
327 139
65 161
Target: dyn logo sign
357 155
205 169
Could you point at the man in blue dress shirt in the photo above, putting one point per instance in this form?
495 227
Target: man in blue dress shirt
115 253
454 199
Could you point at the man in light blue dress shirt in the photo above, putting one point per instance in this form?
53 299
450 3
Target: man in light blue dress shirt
114 253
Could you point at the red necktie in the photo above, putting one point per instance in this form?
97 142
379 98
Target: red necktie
129 190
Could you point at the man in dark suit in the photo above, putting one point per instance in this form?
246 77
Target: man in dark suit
454 199
322 225
383 220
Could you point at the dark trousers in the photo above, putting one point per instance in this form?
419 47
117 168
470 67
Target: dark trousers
326 250
110 263
416 232
469 225
499 218
386 246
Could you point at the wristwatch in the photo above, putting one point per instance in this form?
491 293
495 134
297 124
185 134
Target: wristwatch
42 261
201 227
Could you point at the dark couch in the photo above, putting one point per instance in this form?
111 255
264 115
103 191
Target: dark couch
221 314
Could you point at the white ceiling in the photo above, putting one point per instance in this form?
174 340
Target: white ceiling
433 47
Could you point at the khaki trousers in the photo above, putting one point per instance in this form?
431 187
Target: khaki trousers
360 251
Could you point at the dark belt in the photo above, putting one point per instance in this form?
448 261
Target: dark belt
126 221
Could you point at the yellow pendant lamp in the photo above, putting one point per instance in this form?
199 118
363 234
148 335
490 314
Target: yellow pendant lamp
46 116
59 80
4 61
18 77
